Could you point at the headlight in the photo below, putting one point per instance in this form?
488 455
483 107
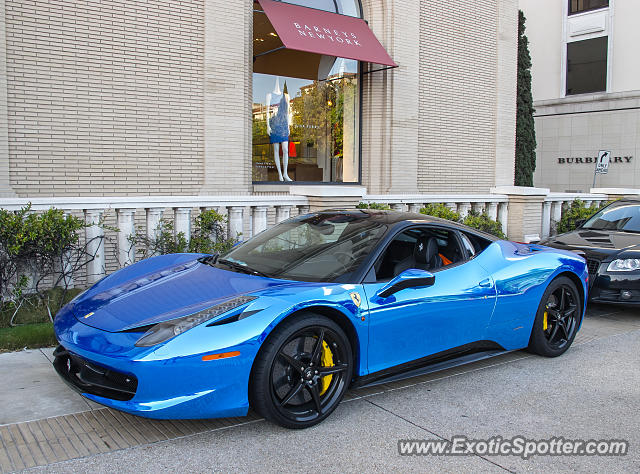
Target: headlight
164 331
624 265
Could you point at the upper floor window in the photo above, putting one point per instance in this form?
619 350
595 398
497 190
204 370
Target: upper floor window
579 6
343 7
587 66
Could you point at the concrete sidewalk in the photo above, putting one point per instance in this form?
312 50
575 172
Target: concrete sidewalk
31 389
592 387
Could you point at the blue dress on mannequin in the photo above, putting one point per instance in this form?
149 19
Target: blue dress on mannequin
280 123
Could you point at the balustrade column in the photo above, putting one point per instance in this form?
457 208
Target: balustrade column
478 207
556 211
503 216
397 206
154 216
182 221
94 239
451 205
235 222
259 219
304 209
492 210
415 207
546 219
66 267
126 230
282 213
463 209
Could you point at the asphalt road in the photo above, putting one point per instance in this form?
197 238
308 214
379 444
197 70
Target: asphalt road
591 392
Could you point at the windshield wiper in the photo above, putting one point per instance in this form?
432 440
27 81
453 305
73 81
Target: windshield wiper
209 259
242 268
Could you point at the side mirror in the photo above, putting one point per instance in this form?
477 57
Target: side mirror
412 278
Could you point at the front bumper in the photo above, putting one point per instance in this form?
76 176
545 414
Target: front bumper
93 379
619 287
166 382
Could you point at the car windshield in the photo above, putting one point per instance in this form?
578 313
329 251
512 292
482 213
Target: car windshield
319 247
618 216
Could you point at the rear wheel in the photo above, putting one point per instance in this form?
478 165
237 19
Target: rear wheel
302 371
557 320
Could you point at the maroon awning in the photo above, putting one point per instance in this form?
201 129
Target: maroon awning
316 31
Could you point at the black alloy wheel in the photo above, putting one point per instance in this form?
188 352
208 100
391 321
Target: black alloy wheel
558 318
561 315
302 372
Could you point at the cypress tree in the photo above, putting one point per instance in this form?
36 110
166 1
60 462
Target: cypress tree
525 129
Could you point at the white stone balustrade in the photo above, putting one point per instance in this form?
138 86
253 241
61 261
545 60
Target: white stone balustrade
555 203
495 205
96 209
248 215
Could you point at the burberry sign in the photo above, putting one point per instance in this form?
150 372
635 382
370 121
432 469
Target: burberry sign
592 160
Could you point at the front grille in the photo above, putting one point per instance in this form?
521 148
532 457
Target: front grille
592 266
89 377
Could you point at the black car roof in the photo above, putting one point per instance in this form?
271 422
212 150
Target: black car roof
399 219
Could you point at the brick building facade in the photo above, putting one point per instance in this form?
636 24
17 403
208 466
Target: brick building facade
131 97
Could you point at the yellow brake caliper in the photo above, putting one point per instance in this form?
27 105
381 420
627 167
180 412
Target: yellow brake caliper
326 360
545 325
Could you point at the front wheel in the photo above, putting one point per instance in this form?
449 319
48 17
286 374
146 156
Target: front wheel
302 371
557 319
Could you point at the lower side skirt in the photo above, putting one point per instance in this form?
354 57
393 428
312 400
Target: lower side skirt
434 363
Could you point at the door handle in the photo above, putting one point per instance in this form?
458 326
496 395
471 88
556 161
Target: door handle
486 283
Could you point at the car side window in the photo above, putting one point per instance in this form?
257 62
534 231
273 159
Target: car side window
426 248
473 244
471 250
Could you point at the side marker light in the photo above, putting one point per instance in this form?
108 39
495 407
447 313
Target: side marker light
223 355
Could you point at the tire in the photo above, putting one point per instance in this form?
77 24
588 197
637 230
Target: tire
287 385
563 307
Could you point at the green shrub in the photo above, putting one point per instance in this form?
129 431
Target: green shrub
208 235
576 211
474 219
484 223
440 210
38 251
374 205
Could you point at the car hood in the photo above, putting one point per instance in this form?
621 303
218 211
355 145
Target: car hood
598 244
160 289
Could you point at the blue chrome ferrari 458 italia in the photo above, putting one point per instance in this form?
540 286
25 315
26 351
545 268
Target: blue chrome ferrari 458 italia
287 321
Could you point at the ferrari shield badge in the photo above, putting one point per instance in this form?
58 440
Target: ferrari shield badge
357 299
88 315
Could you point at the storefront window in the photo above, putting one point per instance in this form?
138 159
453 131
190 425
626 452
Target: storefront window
305 108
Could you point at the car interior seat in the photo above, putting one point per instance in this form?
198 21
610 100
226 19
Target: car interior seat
425 256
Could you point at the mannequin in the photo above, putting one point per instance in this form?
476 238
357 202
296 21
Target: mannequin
278 128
